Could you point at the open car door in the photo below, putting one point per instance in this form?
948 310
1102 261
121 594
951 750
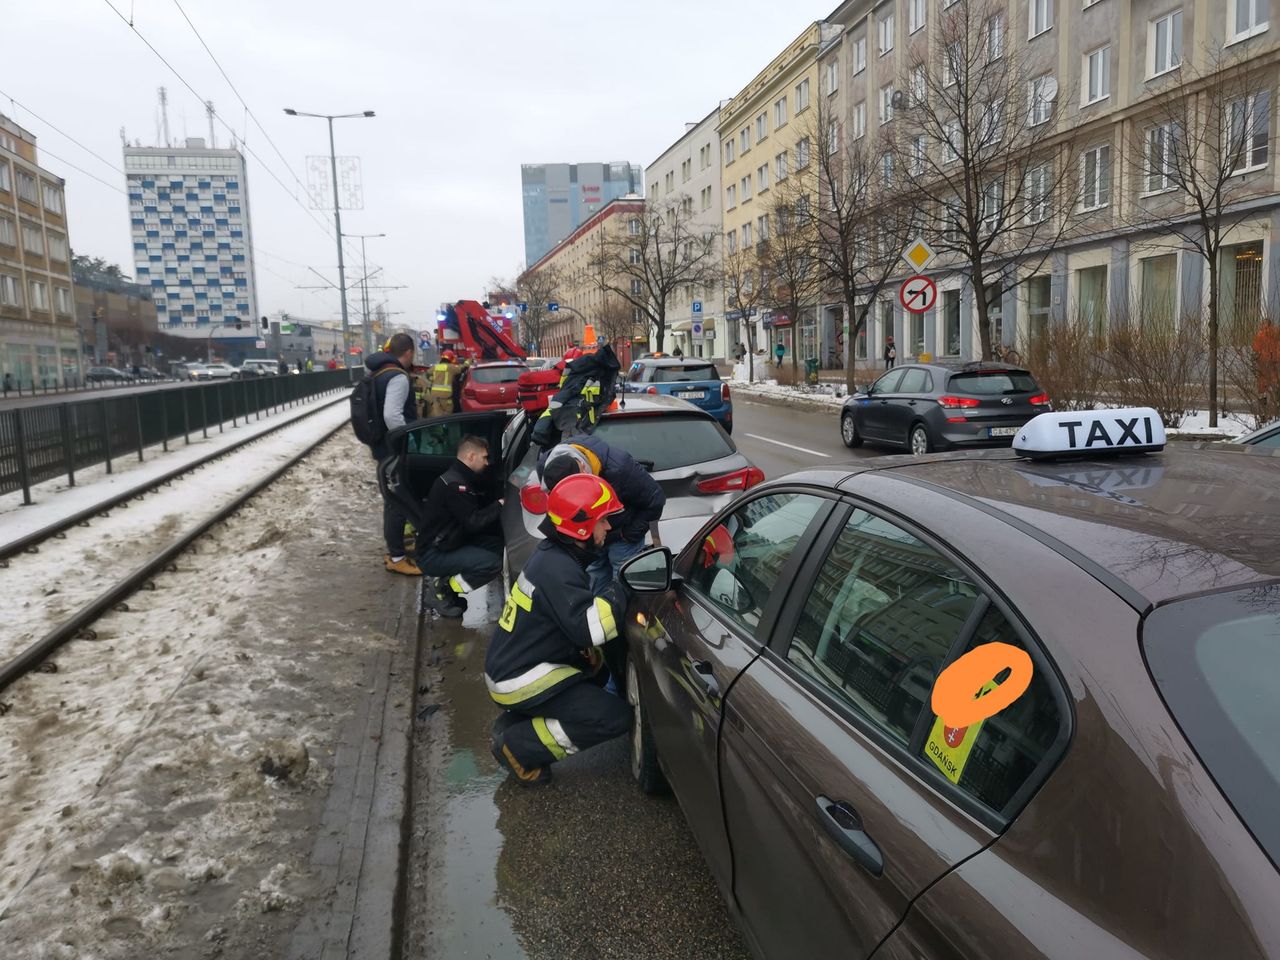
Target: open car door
424 449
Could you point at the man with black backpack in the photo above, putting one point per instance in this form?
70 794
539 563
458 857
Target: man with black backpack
382 401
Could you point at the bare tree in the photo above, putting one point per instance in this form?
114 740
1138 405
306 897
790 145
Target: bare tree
862 226
660 252
537 288
1190 159
792 276
975 141
744 294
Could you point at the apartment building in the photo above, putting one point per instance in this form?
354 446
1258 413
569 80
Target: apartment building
581 296
557 198
192 238
687 176
767 133
39 342
1103 71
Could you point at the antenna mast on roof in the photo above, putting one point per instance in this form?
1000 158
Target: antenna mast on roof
164 115
208 109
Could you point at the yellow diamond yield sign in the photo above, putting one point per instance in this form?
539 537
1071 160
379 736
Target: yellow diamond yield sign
919 254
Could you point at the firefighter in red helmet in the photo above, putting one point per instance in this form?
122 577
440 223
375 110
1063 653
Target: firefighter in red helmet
544 666
444 375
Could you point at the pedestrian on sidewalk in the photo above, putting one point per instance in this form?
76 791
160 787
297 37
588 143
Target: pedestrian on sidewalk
8 382
333 363
394 397
890 353
543 666
462 536
310 366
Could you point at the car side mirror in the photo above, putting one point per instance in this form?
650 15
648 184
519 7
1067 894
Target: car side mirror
648 572
730 592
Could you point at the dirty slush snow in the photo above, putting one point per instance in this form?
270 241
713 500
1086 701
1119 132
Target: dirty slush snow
157 792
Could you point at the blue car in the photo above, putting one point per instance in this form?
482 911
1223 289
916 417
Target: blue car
693 380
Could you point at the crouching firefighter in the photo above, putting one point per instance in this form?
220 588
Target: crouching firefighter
544 665
461 540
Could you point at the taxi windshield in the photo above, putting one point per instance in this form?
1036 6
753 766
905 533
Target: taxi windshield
1215 659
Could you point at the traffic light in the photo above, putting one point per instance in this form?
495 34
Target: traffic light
266 324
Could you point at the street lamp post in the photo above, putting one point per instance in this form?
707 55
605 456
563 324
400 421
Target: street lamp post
364 288
337 216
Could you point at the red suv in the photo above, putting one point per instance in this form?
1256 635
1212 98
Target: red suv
491 386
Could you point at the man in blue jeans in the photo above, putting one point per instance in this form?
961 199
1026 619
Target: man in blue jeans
640 493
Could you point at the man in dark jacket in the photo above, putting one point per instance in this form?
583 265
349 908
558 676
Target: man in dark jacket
394 398
640 493
461 535
543 665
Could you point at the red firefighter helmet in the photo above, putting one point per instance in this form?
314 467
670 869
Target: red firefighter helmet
448 356
578 502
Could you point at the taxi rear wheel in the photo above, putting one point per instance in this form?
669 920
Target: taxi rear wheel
644 755
849 431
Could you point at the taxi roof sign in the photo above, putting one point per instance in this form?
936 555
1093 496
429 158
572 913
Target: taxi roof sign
919 254
1091 433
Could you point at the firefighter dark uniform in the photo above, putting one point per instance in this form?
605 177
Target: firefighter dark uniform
443 377
461 539
544 665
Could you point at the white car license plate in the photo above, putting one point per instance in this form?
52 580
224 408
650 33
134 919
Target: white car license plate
1003 431
693 395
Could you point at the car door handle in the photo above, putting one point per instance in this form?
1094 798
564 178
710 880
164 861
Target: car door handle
911 403
707 678
884 401
845 827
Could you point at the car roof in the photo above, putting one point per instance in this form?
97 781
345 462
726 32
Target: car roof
1188 520
650 403
499 363
674 362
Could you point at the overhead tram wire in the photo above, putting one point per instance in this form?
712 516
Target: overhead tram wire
61 133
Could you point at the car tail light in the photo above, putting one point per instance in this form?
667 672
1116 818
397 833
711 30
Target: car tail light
653 390
724 393
469 393
1040 400
533 498
743 479
957 403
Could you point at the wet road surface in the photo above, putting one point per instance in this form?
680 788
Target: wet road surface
587 867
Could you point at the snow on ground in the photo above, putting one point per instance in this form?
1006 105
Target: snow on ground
55 499
38 590
138 811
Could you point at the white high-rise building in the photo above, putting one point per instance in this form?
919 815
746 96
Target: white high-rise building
192 242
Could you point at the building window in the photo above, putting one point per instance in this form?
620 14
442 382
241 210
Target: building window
991 122
1095 177
1164 40
831 143
859 55
780 113
27 187
704 157
633 255
1162 144
762 178
886 103
1241 285
52 198
762 127
1097 71
705 197
951 323
762 227
992 205
1037 194
6 181
802 153
1159 291
780 167
884 30
916 83
802 94
745 184
8 235
859 121
744 140
633 227
995 37
62 300
995 312
915 15
731 241
1039 292
915 342
32 239
1091 297
670 180
58 247
39 295
1249 132
917 155
952 141
731 196
1249 17
729 152
832 80
746 235
886 168
1040 16
10 292
952 63
1041 104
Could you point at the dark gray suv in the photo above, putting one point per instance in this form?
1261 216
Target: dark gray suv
934 406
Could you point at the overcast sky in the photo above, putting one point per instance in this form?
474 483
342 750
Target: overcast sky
464 93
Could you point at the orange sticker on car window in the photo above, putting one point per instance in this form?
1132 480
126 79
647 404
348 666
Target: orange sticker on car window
966 692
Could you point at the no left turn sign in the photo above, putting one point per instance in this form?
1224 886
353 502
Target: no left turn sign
917 294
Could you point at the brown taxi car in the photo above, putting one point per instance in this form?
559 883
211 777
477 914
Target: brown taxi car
1097 778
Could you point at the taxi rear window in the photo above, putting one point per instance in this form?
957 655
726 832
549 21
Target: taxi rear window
668 442
496 374
685 372
994 382
1215 660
